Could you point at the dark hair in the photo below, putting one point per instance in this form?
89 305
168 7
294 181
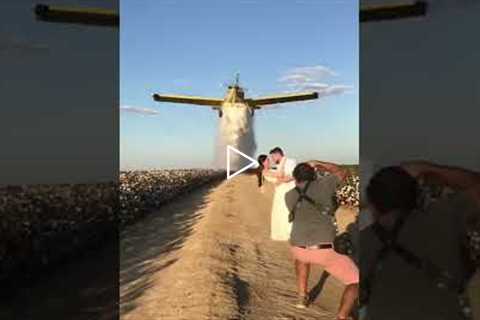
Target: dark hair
304 172
392 188
277 150
261 159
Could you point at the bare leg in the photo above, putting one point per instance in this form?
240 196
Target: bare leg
303 270
349 298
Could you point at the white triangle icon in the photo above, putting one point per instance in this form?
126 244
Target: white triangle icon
252 163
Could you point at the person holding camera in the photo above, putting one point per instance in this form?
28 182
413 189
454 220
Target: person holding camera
312 205
414 257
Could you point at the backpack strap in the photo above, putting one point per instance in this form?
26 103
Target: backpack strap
441 278
303 196
387 238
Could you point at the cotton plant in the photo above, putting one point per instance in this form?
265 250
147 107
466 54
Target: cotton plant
349 194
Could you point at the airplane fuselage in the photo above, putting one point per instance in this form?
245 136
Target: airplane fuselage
235 98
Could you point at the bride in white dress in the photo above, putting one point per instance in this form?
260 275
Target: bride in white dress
280 227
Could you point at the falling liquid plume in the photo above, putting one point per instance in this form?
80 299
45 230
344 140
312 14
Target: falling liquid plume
235 129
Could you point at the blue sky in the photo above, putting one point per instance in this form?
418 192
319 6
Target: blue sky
195 47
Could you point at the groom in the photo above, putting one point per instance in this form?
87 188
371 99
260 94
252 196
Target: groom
281 161
280 226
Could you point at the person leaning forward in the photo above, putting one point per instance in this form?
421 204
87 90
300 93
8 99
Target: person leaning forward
313 233
411 261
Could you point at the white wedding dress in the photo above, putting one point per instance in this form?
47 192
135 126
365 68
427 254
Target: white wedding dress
280 227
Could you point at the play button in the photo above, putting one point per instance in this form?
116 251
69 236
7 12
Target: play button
252 162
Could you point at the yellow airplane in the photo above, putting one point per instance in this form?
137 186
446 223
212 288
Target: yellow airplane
235 98
104 17
89 16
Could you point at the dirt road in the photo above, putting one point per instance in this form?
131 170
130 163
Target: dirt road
208 256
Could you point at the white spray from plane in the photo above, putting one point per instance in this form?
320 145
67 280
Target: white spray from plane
235 129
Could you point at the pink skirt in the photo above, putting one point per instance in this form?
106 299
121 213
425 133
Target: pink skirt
337 265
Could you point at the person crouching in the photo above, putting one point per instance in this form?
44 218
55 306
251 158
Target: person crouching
312 206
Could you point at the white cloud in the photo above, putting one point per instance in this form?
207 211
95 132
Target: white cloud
328 90
305 74
139 110
312 78
294 78
309 85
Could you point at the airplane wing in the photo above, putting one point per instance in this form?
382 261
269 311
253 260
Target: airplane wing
391 12
188 100
91 16
258 102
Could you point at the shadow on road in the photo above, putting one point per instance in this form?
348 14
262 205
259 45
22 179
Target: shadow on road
160 233
317 289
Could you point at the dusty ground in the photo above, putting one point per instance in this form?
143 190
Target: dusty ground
208 256
204 256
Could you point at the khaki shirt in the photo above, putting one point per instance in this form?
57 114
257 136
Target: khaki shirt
310 226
